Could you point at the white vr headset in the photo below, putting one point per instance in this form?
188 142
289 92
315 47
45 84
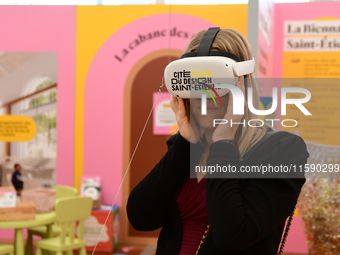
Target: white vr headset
204 71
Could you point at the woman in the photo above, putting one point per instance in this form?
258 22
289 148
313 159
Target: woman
245 215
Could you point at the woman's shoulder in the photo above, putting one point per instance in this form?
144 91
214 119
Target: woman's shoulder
284 138
281 137
177 138
281 143
272 139
172 139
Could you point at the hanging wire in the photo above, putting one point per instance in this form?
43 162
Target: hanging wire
129 164
141 135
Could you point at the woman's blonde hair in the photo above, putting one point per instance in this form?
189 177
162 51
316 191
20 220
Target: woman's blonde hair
233 41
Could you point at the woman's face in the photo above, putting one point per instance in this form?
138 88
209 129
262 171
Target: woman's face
213 111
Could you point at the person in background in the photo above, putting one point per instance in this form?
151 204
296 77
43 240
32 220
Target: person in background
17 179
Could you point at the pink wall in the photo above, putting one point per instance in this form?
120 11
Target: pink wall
48 28
297 11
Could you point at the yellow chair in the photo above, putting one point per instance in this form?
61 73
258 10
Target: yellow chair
6 249
61 192
70 212
64 191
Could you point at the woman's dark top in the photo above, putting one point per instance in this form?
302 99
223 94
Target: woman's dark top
191 204
246 215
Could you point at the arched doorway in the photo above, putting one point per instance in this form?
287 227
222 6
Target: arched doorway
144 79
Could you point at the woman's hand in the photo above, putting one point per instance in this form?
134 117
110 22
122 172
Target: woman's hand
190 131
226 131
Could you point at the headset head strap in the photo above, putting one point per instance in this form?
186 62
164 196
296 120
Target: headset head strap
207 41
205 46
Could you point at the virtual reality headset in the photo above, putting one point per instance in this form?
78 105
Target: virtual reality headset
200 72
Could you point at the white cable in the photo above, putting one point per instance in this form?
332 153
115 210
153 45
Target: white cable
127 168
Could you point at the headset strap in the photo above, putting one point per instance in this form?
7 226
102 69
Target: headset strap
214 54
205 45
206 42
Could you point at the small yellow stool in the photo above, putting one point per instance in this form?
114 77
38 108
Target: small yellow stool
69 211
6 249
61 191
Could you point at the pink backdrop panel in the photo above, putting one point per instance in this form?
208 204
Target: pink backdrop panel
48 29
297 11
104 91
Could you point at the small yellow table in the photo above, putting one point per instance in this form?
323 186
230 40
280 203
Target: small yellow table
40 220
